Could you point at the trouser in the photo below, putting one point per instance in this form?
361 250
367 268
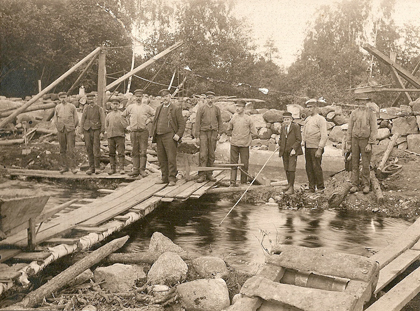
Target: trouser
67 147
208 141
166 153
139 142
235 153
358 146
93 148
314 169
289 165
116 145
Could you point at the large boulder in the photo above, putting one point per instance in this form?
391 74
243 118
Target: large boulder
258 120
374 107
264 133
340 119
204 295
160 244
273 115
324 111
228 106
168 269
118 277
336 134
383 133
210 267
413 142
405 125
416 108
418 120
392 113
295 109
226 115
276 128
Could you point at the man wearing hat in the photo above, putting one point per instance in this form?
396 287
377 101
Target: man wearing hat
241 128
167 130
289 149
208 124
361 135
139 114
115 125
93 124
314 137
66 121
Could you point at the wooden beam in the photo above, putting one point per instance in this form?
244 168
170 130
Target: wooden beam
406 85
34 108
81 76
101 78
396 77
380 89
47 89
144 65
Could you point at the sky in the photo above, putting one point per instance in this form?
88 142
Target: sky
286 20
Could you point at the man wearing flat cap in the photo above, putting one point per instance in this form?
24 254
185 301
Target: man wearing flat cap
361 135
208 124
167 130
314 137
66 121
241 128
289 149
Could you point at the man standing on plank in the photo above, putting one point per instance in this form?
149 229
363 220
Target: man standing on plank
207 132
167 130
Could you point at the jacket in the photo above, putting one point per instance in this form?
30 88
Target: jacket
208 119
93 117
362 124
291 140
65 117
176 120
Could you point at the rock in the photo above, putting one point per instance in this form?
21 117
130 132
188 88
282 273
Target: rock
226 106
273 115
258 120
89 308
374 107
168 269
416 107
251 111
403 146
336 134
262 110
226 115
210 267
401 139
223 138
118 277
295 110
276 127
406 110
413 142
383 133
385 124
405 125
390 113
146 308
204 295
264 133
160 244
324 111
418 120
384 142
340 119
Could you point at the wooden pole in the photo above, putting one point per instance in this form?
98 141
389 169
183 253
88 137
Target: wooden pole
338 196
179 87
39 86
376 186
396 77
47 89
34 108
81 76
36 297
388 151
144 65
406 85
101 78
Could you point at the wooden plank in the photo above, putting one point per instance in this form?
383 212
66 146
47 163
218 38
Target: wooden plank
31 256
190 190
60 240
8 253
49 213
67 175
166 190
406 85
197 194
395 268
145 204
416 246
399 295
104 227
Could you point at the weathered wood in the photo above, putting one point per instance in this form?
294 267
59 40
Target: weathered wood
406 85
399 295
395 268
388 151
10 142
68 175
198 193
44 216
35 298
394 74
81 75
34 108
101 78
235 189
338 196
320 261
167 190
143 257
376 186
31 256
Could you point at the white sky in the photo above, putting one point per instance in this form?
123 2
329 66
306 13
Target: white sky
286 20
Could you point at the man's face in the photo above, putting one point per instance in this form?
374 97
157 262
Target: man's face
63 99
362 102
114 105
287 120
312 109
145 100
240 109
89 100
166 99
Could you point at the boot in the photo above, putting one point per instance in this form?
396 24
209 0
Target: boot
90 171
113 167
97 165
121 166
64 166
136 165
143 161
210 177
285 188
291 178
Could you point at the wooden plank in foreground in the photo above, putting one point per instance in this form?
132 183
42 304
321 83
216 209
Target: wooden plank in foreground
399 295
197 194
395 268
66 175
164 192
185 194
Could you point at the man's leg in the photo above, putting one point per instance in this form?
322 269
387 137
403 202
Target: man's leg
162 158
365 165
291 169
143 139
309 154
135 154
88 135
112 145
170 146
212 142
355 158
234 158
319 175
120 143
285 158
204 154
97 150
244 154
62 140
71 151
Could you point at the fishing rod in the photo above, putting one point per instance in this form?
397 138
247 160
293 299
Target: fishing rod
249 186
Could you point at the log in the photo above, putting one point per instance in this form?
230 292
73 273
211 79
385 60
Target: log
338 196
376 188
10 142
235 189
145 257
36 297
33 108
388 151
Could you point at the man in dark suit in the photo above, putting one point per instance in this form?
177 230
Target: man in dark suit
289 148
167 130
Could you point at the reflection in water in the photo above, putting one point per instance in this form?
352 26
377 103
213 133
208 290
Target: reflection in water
194 225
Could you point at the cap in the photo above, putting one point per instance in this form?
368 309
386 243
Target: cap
138 92
210 94
62 94
311 102
240 103
164 92
114 100
90 95
287 114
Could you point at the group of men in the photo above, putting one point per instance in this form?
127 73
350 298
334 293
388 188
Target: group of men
167 126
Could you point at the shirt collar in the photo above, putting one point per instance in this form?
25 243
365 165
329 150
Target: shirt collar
166 106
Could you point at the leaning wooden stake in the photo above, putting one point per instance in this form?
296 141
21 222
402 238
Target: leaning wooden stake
35 298
376 188
339 195
388 151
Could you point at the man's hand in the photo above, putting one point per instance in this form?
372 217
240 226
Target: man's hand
197 141
318 153
348 147
176 137
218 136
368 148
293 152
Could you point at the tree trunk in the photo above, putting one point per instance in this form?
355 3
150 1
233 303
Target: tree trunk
388 151
339 195
376 188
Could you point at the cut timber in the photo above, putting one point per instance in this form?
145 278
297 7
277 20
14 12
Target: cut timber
399 295
185 194
67 175
105 191
31 256
397 78
197 194
388 151
376 186
8 253
338 196
47 214
68 241
146 206
235 189
36 297
395 268
10 142
167 190
405 85
34 108
139 258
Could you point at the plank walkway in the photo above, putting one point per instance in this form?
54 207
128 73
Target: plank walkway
67 175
